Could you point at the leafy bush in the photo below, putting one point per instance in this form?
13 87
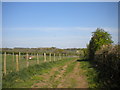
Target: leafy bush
108 61
100 37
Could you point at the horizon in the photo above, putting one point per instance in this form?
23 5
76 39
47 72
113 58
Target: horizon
40 47
56 24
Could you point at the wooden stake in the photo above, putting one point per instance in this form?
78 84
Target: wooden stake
59 56
27 63
63 56
17 64
54 56
13 56
50 56
37 59
19 55
44 57
5 63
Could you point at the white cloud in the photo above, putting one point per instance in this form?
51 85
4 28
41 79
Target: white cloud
56 28
50 28
79 40
111 30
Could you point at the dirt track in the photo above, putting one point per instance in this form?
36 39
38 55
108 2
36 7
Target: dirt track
58 78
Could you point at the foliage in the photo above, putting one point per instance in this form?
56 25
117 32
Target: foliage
105 58
99 38
85 53
108 61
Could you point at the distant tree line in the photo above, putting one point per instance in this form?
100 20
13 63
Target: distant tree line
69 51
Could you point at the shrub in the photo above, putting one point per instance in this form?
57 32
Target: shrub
99 38
108 60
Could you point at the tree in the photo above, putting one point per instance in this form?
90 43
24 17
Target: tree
99 38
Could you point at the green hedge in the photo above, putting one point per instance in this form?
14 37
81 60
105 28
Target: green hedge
108 63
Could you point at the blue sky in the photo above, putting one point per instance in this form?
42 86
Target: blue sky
58 24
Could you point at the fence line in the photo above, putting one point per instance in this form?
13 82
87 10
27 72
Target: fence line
17 61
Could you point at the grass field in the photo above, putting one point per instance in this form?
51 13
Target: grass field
11 64
69 72
24 78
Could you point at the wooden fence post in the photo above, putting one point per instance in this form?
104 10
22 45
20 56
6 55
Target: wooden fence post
13 57
5 63
54 56
59 56
63 55
50 56
27 63
17 65
37 59
44 57
19 55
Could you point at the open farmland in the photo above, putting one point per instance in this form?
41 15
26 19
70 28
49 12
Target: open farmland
53 73
24 61
60 45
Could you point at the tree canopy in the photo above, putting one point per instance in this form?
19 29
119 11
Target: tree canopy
99 37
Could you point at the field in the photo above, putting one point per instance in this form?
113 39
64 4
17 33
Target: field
61 71
22 61
69 72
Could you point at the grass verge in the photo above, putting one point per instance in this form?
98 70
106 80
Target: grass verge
91 74
26 77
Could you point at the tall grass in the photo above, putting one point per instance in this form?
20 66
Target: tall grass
19 79
91 74
11 65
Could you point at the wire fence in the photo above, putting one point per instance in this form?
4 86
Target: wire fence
17 61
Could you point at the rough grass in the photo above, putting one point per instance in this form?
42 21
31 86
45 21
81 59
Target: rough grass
26 77
70 68
91 74
11 64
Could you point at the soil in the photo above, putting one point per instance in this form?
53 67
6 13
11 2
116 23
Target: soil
57 79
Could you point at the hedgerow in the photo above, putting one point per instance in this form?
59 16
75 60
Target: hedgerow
108 64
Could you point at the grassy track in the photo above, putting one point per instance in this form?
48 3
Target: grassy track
67 73
26 77
67 76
